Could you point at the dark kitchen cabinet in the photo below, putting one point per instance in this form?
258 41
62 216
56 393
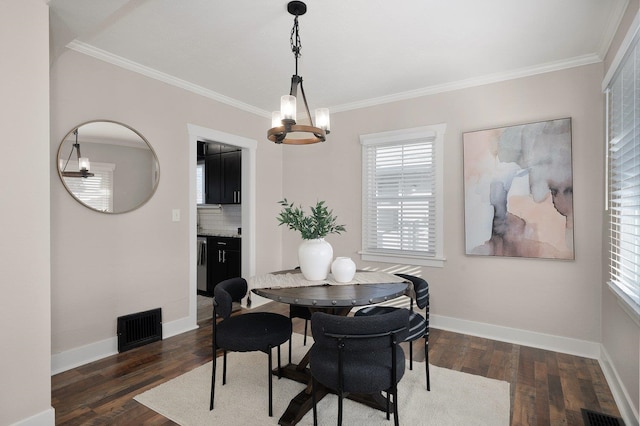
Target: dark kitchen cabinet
223 260
212 174
202 150
230 163
223 181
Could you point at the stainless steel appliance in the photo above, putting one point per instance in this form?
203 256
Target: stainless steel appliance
202 265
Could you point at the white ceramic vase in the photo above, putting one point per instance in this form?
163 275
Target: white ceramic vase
343 269
314 257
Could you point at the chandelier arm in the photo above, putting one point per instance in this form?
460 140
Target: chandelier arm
306 105
75 132
295 80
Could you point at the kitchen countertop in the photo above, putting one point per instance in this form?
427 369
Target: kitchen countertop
228 234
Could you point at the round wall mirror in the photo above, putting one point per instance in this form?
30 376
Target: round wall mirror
108 166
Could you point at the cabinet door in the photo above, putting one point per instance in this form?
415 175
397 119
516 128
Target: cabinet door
230 163
212 173
218 269
212 266
223 260
226 265
232 261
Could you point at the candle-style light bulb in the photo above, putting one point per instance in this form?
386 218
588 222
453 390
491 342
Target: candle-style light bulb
322 119
84 164
288 107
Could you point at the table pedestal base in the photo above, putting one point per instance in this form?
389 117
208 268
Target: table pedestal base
302 403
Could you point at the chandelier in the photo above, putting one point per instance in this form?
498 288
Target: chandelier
284 126
83 162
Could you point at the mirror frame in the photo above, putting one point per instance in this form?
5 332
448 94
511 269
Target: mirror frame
153 153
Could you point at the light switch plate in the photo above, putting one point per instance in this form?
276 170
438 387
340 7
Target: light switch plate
175 215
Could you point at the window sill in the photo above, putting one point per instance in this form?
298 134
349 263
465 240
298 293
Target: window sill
625 302
403 260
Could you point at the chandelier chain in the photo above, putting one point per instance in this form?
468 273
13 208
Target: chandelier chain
297 45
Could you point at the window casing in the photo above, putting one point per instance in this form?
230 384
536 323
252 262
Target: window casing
623 162
402 206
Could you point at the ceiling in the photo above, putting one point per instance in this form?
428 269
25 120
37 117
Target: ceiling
355 53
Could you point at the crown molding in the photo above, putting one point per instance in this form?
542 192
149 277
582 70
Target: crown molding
473 82
612 27
103 55
119 61
628 41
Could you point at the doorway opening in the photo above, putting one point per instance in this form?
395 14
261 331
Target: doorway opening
246 197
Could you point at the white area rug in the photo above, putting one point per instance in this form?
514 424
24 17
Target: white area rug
455 399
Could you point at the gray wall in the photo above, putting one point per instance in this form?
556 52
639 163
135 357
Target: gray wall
24 247
559 298
139 260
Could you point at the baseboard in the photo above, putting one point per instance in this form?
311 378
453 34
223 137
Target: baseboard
178 326
76 357
45 418
520 337
554 343
620 394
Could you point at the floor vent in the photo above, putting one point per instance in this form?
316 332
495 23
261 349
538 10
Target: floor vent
139 329
592 418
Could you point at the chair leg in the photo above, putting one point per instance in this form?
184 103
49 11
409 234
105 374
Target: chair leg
340 397
224 367
396 422
306 325
426 355
388 404
314 401
213 380
411 355
279 365
290 351
270 384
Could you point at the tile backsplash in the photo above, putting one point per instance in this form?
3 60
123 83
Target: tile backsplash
226 219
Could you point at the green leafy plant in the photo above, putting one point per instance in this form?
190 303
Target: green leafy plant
319 224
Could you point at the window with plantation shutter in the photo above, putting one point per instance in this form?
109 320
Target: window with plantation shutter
623 93
95 191
402 196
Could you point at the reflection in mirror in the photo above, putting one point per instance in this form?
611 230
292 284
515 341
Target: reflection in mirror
108 166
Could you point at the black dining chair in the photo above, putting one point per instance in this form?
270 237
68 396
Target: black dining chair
358 355
419 325
253 331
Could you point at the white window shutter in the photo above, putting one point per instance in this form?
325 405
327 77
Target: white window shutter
624 178
402 195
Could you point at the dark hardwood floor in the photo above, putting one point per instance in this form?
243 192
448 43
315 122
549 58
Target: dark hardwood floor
547 388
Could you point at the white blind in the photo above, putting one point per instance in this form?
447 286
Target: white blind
400 197
95 191
624 176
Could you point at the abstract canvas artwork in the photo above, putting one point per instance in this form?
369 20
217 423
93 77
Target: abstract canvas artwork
518 191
